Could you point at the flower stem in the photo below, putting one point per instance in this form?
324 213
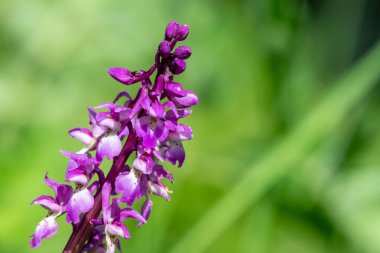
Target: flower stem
82 233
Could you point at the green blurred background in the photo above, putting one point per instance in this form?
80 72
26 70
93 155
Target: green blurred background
286 154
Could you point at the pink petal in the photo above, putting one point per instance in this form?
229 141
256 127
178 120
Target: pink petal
83 135
109 146
127 183
117 228
47 202
77 176
122 75
80 202
45 229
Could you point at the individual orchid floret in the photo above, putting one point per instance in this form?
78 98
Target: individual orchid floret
128 183
107 133
151 130
80 171
45 229
55 206
113 217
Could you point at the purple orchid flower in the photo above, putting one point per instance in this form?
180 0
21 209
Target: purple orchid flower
113 217
56 206
151 125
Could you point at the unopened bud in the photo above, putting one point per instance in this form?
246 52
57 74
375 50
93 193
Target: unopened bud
164 49
177 66
182 52
182 32
171 30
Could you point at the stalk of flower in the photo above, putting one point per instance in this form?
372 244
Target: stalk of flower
97 206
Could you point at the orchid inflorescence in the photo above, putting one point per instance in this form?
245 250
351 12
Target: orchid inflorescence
97 205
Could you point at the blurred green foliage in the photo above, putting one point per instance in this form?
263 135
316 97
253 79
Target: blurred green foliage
286 154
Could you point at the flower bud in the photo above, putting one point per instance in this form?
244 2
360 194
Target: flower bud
160 83
122 75
182 32
188 100
171 30
182 52
175 89
164 49
177 66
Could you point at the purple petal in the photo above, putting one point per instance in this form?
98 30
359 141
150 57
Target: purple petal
110 123
122 75
45 229
131 213
156 110
160 83
145 131
83 161
160 173
158 154
64 193
51 183
175 89
160 189
106 193
77 176
127 183
150 141
173 109
83 135
117 228
150 129
115 209
189 100
48 203
109 146
107 105
92 114
175 153
143 164
185 132
160 130
145 210
98 131
172 115
171 125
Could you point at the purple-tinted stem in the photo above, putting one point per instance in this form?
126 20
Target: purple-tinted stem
145 75
82 233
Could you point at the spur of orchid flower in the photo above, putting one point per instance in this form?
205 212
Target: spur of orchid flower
146 129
